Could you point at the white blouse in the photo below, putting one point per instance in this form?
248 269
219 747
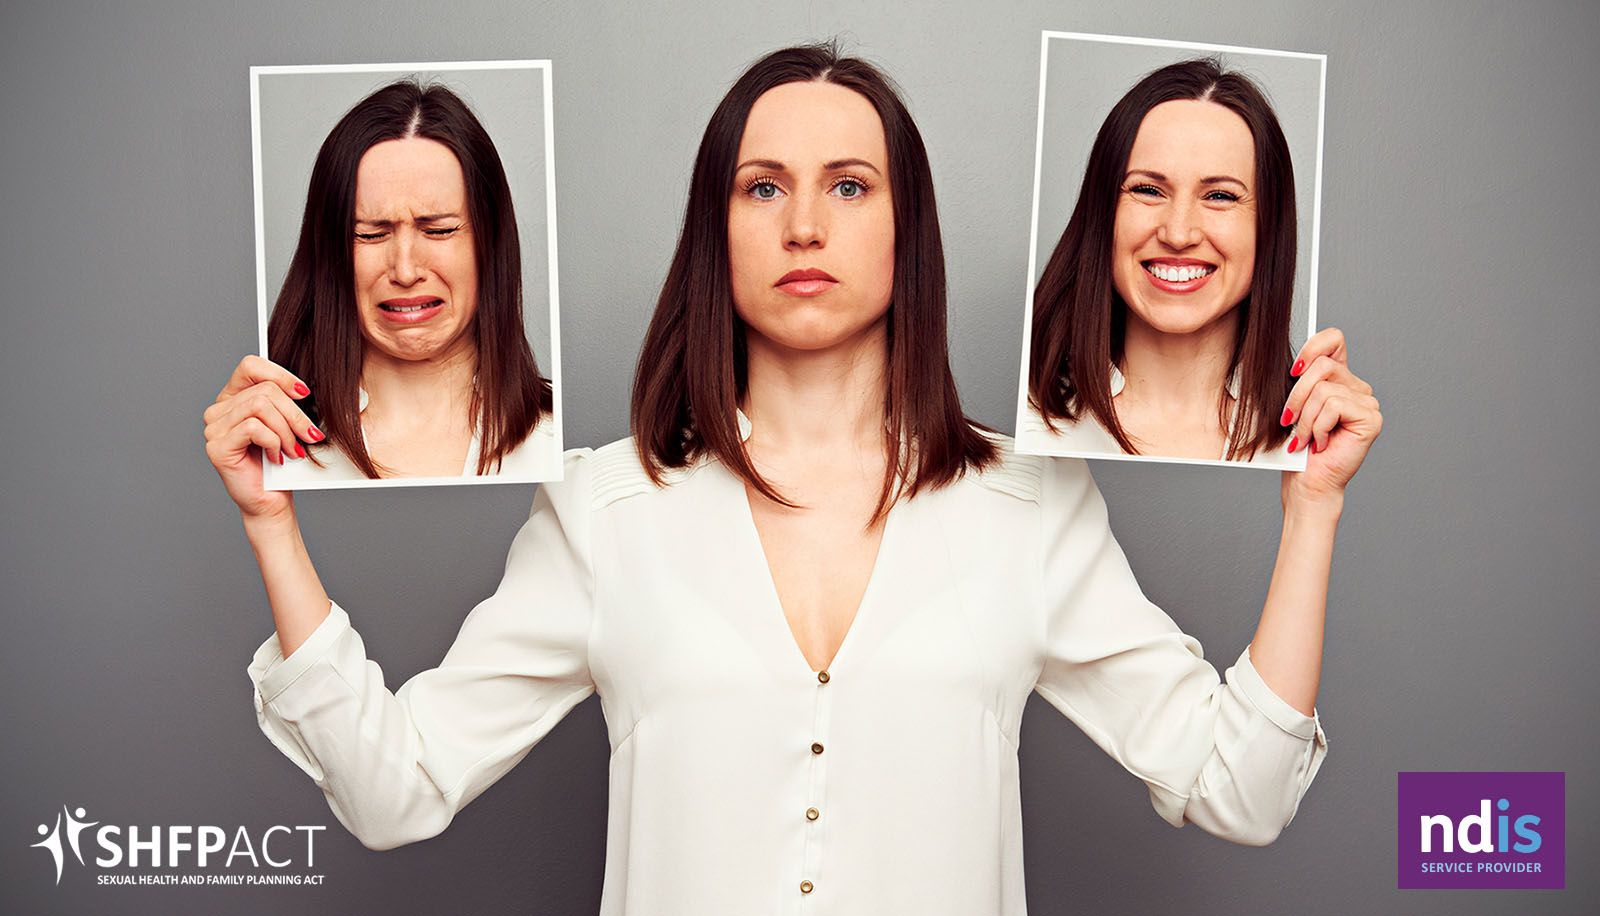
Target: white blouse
742 781
1087 438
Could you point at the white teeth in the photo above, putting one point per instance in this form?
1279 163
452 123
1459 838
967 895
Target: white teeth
410 308
1177 274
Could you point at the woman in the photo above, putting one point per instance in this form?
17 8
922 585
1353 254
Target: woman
1161 321
812 598
403 303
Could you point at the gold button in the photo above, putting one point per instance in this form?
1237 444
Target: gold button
805 887
822 676
816 748
812 814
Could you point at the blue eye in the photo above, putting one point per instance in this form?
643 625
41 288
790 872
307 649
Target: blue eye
849 188
1223 195
763 190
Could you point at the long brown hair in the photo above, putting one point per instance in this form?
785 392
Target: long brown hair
314 331
1078 317
692 368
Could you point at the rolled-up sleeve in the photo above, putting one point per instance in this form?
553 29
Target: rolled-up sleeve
396 767
1230 756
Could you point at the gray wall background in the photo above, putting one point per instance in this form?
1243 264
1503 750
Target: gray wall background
299 109
1087 78
1457 248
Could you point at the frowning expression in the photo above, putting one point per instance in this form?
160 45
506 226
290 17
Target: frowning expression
810 217
1183 251
416 275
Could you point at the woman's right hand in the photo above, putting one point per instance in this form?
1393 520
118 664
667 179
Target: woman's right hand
255 415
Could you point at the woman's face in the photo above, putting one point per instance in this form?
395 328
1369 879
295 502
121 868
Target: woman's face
810 218
416 276
1184 245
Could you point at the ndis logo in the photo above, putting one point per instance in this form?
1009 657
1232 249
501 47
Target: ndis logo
1483 830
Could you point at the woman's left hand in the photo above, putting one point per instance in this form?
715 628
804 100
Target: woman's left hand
1333 414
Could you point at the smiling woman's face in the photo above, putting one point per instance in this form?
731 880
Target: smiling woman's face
416 277
810 217
1183 251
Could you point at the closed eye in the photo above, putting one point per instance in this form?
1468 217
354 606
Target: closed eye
437 232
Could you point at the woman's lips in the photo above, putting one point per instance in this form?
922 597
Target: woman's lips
410 311
1180 276
808 282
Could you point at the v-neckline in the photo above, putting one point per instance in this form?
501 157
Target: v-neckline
469 466
775 610
1233 418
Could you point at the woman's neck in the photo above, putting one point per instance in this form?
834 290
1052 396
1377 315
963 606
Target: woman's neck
819 401
1178 374
420 394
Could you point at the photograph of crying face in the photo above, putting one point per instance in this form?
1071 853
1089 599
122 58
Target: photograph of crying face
406 270
1173 267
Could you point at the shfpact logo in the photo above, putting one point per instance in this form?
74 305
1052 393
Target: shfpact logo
52 843
1482 830
163 851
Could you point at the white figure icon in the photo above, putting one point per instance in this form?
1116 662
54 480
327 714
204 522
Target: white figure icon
52 841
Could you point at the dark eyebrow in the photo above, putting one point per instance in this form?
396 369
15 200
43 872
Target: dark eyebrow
1145 172
771 165
427 218
838 164
831 166
1210 179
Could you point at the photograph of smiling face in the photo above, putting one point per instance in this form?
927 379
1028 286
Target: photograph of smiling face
1173 265
1183 247
811 220
416 276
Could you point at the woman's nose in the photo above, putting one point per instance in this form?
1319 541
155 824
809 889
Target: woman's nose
1181 227
404 267
805 223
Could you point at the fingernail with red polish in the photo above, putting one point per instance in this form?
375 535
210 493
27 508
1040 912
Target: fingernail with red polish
1299 367
1294 444
299 450
315 434
1288 417
301 389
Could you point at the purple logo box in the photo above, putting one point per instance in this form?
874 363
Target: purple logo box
1483 830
